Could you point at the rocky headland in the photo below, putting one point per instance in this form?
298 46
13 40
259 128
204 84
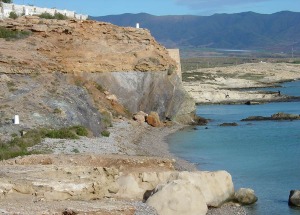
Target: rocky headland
277 116
56 74
226 84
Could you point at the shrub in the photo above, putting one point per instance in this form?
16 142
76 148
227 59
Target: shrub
13 15
106 118
10 34
63 133
18 145
75 150
105 133
80 130
55 16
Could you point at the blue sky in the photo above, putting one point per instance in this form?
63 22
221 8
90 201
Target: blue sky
167 7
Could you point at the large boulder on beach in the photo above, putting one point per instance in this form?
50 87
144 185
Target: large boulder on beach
294 198
177 198
216 187
245 196
153 119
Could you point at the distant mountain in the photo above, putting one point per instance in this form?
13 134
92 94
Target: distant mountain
248 30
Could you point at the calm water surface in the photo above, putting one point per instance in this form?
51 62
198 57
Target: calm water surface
264 156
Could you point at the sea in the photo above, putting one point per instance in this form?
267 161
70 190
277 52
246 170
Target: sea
261 155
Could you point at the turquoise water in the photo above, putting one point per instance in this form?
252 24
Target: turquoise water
264 156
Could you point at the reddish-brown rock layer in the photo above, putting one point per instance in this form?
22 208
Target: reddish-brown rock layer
75 46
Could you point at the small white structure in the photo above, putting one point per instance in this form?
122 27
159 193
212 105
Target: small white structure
137 25
16 120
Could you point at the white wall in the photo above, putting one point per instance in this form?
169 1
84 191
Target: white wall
20 10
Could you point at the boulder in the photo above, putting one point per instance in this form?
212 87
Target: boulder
5 78
129 188
112 98
245 196
153 119
39 28
294 198
216 187
177 198
140 116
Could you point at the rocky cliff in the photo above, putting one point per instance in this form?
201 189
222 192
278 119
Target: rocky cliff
60 72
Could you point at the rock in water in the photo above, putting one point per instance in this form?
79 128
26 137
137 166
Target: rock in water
294 198
177 198
229 124
245 196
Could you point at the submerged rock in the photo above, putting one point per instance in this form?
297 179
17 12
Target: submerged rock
229 124
245 196
294 198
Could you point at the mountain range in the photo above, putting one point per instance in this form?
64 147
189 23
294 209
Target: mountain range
248 30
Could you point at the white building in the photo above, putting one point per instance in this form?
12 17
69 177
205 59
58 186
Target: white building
20 10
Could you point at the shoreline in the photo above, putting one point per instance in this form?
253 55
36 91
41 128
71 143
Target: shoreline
225 85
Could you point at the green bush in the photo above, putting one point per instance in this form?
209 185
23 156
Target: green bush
11 34
105 133
18 145
63 133
13 15
58 16
75 151
80 130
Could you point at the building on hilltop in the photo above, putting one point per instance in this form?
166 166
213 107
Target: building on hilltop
20 10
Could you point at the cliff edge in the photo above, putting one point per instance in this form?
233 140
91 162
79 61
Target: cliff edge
64 72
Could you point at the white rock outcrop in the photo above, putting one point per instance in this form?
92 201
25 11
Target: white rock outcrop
177 198
216 187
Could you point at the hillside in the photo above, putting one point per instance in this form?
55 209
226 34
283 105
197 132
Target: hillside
57 73
76 46
278 31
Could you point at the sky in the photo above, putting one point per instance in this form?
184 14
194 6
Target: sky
166 7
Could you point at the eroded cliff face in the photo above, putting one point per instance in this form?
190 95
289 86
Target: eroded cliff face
127 62
76 46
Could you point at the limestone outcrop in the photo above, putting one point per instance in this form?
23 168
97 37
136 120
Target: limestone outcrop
87 177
